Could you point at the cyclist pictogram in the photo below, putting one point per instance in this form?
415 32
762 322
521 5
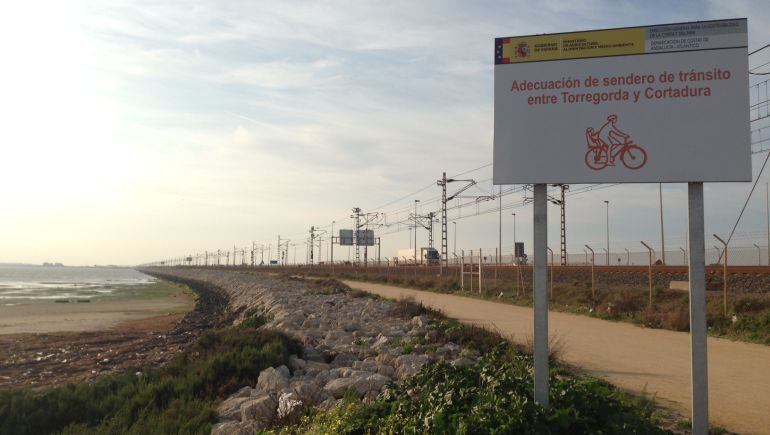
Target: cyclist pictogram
605 145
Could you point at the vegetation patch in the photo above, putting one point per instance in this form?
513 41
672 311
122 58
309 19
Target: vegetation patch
180 397
492 396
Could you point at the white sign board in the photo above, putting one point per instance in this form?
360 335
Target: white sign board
666 103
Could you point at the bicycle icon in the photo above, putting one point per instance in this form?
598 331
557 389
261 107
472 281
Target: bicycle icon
609 143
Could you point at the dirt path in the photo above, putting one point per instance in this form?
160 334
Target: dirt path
638 359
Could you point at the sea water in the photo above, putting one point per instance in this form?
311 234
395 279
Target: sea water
18 283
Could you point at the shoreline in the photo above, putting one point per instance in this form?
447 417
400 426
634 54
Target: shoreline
29 316
45 343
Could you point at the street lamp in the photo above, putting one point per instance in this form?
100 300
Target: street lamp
608 231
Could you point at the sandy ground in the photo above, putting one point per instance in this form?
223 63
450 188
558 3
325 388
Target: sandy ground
99 314
642 360
52 343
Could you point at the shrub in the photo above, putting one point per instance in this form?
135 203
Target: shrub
492 396
407 308
177 398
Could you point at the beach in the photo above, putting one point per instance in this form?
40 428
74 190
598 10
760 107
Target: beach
74 328
39 316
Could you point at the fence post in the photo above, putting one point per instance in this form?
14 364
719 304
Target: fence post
593 286
481 260
649 271
724 277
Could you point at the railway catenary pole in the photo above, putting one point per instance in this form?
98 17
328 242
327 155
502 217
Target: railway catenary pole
563 206
444 199
415 231
357 220
312 244
444 247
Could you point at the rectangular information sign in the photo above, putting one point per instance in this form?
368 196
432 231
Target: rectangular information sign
346 238
666 103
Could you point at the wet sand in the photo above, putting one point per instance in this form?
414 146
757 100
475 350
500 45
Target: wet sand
29 316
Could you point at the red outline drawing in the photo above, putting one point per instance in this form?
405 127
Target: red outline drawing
605 145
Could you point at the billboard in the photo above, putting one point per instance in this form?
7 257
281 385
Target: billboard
666 103
346 238
365 237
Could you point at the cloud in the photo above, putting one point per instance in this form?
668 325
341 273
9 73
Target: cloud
220 123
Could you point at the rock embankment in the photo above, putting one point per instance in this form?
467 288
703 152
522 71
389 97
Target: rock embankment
351 346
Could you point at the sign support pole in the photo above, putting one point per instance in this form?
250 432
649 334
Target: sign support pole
697 273
540 298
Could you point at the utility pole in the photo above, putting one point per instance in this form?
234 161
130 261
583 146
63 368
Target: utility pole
312 243
563 205
218 254
767 215
357 216
444 243
415 230
662 238
444 199
279 248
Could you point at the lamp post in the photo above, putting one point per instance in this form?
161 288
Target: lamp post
607 203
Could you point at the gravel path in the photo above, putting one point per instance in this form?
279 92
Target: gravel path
651 360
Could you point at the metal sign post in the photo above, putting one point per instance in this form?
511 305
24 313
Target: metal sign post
539 279
697 271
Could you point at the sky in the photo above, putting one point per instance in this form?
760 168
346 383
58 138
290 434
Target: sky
135 131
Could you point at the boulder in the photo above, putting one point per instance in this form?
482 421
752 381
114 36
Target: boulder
271 380
230 409
310 354
226 428
409 364
260 410
289 405
344 359
308 392
386 370
377 381
338 387
296 363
